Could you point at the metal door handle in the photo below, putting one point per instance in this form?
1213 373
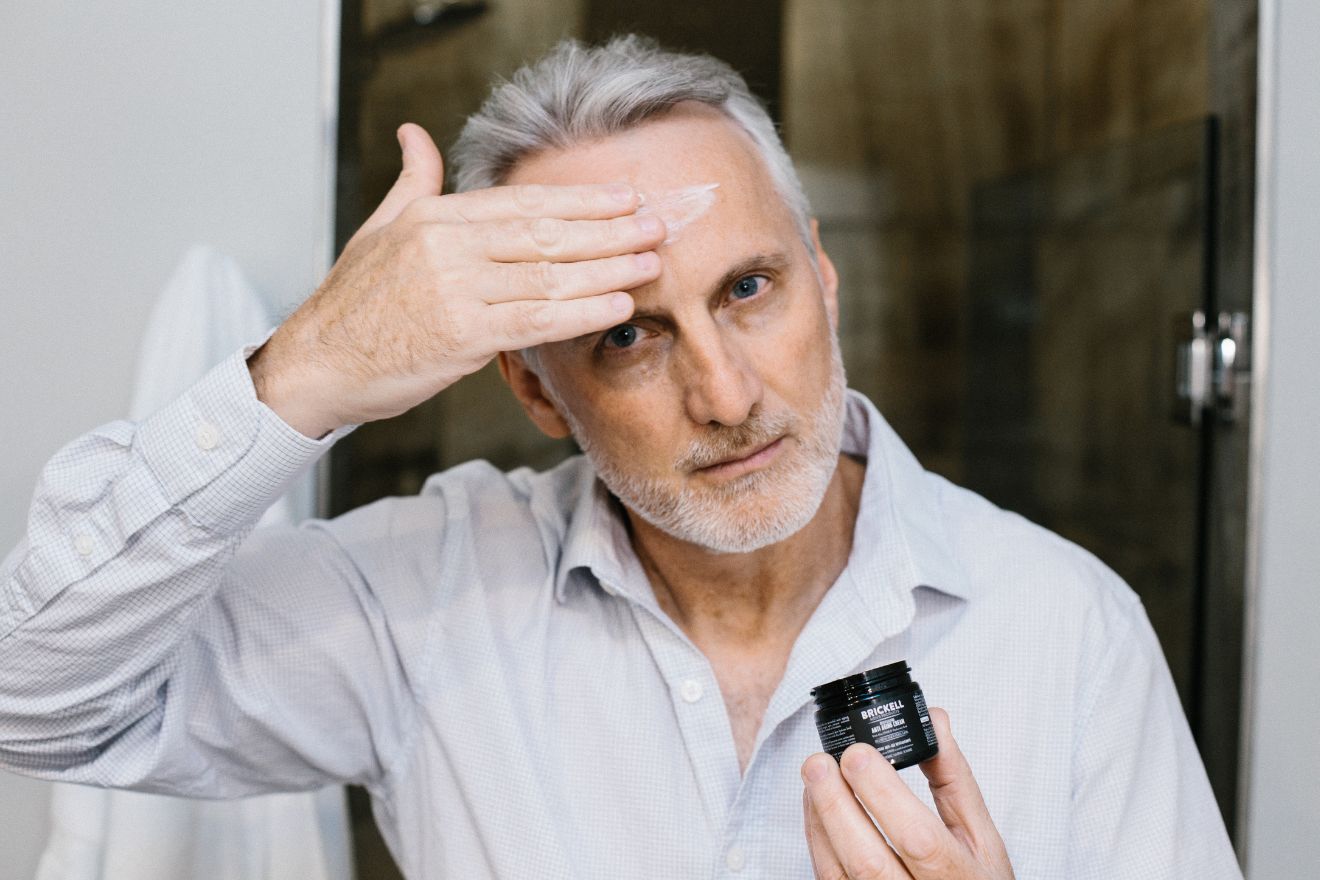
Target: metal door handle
1212 366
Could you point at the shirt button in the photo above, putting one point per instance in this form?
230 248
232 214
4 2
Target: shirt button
208 436
84 545
735 859
691 691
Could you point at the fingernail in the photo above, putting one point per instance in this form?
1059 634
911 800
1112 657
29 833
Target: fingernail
815 768
646 261
621 304
650 224
621 193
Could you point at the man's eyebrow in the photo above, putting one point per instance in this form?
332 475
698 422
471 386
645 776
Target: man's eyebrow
774 261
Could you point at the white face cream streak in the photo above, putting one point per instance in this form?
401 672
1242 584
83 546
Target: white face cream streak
679 207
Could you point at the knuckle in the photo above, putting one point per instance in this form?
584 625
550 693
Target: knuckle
921 844
868 865
548 235
542 317
828 806
535 319
547 279
530 197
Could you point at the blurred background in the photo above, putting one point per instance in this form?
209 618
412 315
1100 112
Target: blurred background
1026 204
1061 282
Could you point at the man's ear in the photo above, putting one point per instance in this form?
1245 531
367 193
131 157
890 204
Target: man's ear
829 278
526 386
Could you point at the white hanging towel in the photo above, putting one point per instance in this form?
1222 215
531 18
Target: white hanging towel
207 310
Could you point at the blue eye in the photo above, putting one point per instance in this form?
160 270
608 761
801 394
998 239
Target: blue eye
749 286
622 336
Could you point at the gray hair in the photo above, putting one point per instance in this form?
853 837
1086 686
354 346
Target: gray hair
580 93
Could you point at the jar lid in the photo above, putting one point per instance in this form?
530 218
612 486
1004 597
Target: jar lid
863 684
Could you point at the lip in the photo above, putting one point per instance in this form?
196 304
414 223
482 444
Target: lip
736 467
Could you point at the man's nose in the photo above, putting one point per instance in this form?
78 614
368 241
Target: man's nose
721 384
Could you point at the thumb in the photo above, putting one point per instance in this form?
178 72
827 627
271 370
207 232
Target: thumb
423 174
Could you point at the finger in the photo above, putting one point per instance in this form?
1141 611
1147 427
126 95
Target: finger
851 833
515 325
423 175
549 238
593 201
916 834
957 795
563 281
825 862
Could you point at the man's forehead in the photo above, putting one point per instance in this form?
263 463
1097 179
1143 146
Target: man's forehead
679 208
694 166
691 146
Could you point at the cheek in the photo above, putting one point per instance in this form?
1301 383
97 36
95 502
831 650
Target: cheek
639 372
789 336
795 363
633 426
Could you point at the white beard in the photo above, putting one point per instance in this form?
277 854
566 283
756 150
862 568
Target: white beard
748 512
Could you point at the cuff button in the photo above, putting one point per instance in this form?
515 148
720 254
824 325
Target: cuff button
84 545
208 436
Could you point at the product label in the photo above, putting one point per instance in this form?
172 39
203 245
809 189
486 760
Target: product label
924 715
836 735
889 726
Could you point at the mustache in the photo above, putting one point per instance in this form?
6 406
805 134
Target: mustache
726 442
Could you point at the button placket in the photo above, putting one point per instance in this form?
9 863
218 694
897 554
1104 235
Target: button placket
702 723
735 859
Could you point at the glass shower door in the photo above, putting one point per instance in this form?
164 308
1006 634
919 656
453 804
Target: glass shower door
1078 273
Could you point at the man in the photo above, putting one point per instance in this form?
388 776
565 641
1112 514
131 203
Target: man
603 670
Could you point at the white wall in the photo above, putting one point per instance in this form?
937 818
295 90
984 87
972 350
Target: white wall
1283 751
129 130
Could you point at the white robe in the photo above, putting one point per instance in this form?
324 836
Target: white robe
206 311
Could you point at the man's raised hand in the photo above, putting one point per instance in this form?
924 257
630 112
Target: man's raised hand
961 843
432 287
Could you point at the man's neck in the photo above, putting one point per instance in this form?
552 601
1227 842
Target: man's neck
748 602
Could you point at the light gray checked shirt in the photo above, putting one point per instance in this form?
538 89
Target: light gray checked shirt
489 660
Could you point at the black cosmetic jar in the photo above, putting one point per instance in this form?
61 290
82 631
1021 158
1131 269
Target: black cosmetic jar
883 707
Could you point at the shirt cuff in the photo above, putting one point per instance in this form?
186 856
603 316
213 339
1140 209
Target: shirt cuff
220 454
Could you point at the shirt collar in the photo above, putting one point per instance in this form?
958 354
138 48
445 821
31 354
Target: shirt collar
597 539
899 521
901 515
